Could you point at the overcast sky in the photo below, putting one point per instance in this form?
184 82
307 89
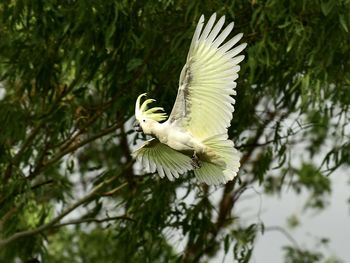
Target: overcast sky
332 223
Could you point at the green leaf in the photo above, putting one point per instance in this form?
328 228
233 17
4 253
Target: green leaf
343 23
134 63
327 6
227 243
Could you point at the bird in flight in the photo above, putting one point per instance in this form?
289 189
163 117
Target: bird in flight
194 136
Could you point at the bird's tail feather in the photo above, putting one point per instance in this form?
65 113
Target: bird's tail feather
223 161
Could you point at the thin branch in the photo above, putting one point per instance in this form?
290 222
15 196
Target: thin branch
63 145
82 143
57 219
94 220
73 148
41 184
249 145
285 233
112 192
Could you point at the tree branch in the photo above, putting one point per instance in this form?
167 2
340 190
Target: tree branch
285 233
57 219
93 220
74 137
192 252
72 148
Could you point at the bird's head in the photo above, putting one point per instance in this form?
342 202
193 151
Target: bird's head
145 117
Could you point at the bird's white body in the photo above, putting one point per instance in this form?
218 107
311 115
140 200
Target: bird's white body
201 115
173 136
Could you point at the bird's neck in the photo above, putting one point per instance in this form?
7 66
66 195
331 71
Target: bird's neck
156 128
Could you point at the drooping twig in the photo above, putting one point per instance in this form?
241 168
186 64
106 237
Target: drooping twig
285 233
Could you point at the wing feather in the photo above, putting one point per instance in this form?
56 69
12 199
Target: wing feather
236 50
229 44
218 41
196 34
168 173
204 104
168 162
160 171
214 33
208 28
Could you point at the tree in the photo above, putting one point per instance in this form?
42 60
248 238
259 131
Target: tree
70 72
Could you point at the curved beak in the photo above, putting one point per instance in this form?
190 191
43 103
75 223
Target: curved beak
137 127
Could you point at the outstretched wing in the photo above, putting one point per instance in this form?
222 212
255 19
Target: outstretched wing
204 104
168 162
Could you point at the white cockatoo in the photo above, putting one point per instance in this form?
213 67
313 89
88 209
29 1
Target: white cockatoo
194 137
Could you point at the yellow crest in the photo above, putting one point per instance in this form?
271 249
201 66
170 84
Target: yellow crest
143 111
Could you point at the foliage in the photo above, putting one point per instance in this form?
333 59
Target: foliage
70 72
296 255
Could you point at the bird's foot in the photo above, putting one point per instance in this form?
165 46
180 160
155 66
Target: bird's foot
195 162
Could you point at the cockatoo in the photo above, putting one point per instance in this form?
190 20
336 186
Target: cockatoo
194 137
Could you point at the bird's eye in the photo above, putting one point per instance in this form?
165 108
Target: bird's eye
143 120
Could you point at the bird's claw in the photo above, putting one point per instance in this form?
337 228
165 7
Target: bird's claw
195 162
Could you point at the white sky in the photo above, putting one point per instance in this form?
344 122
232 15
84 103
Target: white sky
332 223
